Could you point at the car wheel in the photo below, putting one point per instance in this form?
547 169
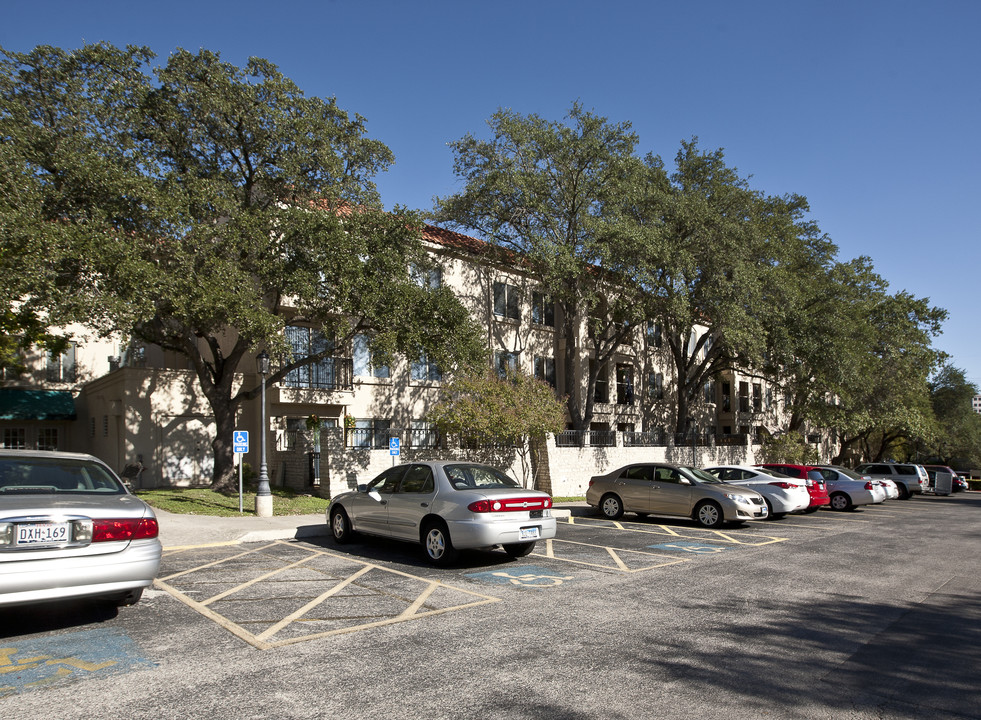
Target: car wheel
709 514
903 491
130 597
517 550
611 506
340 526
439 547
840 501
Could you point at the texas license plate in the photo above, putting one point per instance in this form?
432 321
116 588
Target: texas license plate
40 534
529 533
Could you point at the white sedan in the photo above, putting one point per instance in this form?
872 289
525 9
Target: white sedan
847 489
445 506
783 494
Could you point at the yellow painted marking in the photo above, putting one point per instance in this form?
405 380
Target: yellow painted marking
262 641
253 581
174 549
614 554
272 630
688 533
616 558
59 673
80 664
218 562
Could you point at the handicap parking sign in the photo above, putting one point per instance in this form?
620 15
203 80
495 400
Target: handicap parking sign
393 446
240 441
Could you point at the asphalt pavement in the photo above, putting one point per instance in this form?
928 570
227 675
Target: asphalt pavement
193 530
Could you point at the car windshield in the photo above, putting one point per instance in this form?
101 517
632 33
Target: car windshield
848 473
41 476
772 473
699 475
468 477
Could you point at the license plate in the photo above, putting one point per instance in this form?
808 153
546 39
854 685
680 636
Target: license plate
529 533
38 534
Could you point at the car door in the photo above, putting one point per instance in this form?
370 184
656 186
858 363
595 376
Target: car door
411 502
368 510
634 487
671 492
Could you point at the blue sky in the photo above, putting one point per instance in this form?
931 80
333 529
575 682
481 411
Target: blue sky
870 108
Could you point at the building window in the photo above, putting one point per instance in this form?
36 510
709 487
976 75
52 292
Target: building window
105 426
506 301
726 396
602 383
545 369
47 439
655 334
430 278
15 438
423 434
655 385
364 360
542 309
307 342
506 363
757 397
625 384
424 369
61 367
709 391
369 433
743 396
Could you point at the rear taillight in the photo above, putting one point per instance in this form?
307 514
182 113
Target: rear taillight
124 529
784 485
868 486
509 505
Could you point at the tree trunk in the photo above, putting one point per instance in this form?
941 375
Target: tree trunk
540 472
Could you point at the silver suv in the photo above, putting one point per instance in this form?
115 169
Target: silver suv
910 479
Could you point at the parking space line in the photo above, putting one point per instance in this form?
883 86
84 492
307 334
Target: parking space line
616 554
710 535
419 605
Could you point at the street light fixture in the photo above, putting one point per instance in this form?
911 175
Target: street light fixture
263 496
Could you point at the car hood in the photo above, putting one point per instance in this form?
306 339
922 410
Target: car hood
728 488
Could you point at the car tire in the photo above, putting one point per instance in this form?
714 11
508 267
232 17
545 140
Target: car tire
709 514
903 491
841 501
517 550
130 597
611 506
340 526
437 544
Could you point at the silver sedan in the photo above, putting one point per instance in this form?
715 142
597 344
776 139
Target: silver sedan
446 506
70 528
783 494
662 489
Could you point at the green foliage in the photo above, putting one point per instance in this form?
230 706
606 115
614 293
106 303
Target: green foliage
958 440
204 501
788 447
507 409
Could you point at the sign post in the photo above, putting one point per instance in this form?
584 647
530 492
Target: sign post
240 446
393 448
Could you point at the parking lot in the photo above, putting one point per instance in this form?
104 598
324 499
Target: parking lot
873 613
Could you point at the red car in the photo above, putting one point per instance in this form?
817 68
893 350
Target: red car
811 476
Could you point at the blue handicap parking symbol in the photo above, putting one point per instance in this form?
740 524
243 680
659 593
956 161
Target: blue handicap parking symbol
691 547
523 576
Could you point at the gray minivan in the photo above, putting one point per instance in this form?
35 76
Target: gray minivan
910 479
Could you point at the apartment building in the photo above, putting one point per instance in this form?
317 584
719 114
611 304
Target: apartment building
142 411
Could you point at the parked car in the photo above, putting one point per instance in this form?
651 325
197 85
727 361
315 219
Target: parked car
848 490
782 494
70 528
446 506
957 483
663 489
910 479
813 479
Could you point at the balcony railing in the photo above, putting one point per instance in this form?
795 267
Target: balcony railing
651 438
328 374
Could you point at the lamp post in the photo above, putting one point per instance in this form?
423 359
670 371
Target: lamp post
263 496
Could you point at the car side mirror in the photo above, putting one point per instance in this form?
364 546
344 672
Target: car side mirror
362 488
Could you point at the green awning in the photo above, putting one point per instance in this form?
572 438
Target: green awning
21 404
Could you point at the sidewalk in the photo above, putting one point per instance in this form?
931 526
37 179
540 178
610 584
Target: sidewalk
177 531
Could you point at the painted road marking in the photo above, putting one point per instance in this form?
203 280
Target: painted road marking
530 576
63 659
734 537
306 593
601 556
692 547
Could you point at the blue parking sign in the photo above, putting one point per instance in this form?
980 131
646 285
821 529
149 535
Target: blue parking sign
240 441
393 446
